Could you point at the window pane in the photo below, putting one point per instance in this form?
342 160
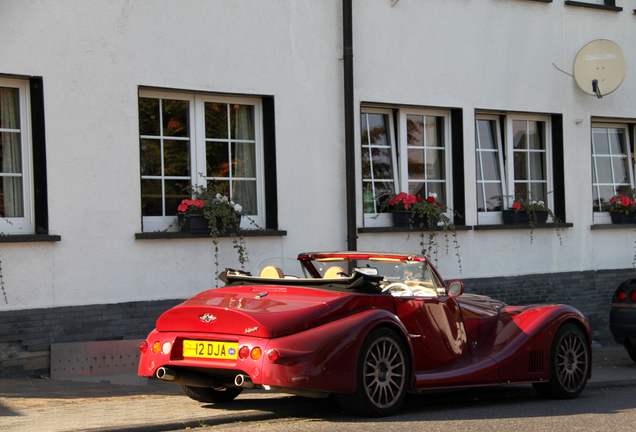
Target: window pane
11 204
414 126
478 164
382 168
537 166
149 116
538 192
150 157
606 192
9 108
217 159
176 158
536 139
242 122
435 164
222 185
621 170
175 193
416 163
521 191
366 163
244 193
493 196
243 160
490 165
375 134
216 120
617 141
434 131
519 139
486 135
383 191
604 169
175 118
521 165
600 143
151 198
10 153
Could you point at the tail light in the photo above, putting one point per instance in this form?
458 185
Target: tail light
256 353
621 295
632 296
244 352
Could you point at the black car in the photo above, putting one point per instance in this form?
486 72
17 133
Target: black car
623 316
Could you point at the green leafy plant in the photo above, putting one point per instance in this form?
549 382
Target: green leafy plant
622 203
525 202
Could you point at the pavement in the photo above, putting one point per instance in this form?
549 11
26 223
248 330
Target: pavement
41 404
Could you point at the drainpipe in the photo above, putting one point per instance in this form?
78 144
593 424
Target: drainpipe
347 39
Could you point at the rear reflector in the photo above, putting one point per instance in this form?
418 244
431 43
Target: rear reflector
621 295
632 296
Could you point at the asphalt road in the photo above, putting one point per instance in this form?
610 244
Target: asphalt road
494 409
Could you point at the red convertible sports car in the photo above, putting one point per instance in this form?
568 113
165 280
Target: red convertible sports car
367 327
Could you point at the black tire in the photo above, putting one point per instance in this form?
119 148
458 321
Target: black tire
383 375
632 355
569 364
211 395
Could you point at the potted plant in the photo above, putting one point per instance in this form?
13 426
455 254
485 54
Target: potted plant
531 212
429 215
622 208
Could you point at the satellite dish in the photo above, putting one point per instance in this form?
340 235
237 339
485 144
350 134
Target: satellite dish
600 67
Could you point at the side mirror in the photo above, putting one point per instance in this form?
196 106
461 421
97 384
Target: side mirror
455 289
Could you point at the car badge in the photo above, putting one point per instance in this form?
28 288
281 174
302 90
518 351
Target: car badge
261 294
207 317
250 330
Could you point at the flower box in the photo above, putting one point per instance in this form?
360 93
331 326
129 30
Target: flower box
521 217
407 219
193 223
622 218
197 223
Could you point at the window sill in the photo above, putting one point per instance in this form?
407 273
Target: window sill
375 230
612 226
594 6
522 226
164 235
29 238
542 1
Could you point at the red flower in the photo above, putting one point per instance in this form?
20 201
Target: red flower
182 207
419 199
430 199
438 204
516 206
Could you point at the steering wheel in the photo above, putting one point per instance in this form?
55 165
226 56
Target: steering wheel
401 286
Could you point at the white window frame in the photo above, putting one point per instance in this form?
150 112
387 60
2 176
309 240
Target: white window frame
25 224
604 217
491 217
198 172
384 219
507 170
400 156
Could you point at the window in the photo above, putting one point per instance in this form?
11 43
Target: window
189 140
16 183
612 165
519 165
412 157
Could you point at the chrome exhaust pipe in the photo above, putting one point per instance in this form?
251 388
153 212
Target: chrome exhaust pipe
243 381
183 377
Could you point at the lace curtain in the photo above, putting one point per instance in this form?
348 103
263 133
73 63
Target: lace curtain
11 204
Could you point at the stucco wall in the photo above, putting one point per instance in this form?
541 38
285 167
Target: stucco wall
93 57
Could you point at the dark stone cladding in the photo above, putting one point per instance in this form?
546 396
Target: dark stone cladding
25 333
588 291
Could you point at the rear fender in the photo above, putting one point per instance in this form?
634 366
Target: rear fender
524 338
325 358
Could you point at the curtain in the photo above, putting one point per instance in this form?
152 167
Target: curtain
244 167
11 204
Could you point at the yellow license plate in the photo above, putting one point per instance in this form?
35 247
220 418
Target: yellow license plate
209 349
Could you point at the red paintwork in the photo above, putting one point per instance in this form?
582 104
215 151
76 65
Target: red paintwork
464 341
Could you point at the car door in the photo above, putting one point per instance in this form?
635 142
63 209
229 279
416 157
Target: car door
436 328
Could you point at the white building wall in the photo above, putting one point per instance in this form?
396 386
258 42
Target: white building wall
93 56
